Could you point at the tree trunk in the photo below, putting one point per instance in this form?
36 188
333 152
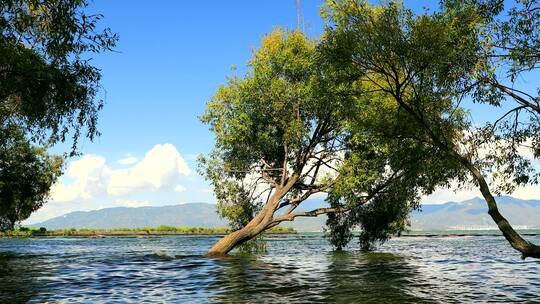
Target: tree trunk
255 227
230 241
517 242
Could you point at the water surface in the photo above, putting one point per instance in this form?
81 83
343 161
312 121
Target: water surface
296 268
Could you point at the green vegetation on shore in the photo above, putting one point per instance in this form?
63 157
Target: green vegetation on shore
161 230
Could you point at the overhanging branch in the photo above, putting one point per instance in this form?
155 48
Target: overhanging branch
312 213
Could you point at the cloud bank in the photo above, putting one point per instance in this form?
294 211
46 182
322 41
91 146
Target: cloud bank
90 176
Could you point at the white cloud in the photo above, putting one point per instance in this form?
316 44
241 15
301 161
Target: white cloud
180 188
89 176
130 160
161 167
441 196
91 182
456 193
527 192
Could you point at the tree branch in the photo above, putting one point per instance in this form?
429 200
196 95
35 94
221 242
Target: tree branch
312 213
512 93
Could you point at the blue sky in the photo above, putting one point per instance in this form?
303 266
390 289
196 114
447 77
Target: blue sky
171 58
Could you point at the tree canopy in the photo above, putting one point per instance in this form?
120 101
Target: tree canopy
48 92
427 65
273 136
373 115
48 85
289 129
26 175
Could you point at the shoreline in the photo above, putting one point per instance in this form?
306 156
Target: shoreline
143 234
136 232
466 233
209 232
461 235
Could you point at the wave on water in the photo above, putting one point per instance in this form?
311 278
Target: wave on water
295 269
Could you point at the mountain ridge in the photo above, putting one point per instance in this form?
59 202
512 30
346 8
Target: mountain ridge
464 215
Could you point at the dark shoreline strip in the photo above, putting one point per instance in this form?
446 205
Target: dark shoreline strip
462 234
102 234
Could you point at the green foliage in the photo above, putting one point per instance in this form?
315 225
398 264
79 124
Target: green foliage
389 61
281 229
253 246
386 85
184 230
48 91
295 89
262 120
519 34
237 208
47 84
26 174
340 226
512 53
408 74
272 107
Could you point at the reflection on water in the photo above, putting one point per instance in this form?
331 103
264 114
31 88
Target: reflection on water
371 278
17 283
296 269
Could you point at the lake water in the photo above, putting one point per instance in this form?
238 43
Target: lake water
296 268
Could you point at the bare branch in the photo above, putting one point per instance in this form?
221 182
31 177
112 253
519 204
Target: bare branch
312 213
517 109
514 94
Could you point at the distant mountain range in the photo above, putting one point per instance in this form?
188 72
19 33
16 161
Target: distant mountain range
193 214
469 214
472 214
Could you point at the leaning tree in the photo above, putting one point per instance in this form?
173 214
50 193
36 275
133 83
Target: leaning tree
284 132
428 66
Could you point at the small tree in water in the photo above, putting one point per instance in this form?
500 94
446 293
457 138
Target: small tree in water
283 134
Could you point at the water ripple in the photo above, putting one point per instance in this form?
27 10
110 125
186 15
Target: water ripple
296 269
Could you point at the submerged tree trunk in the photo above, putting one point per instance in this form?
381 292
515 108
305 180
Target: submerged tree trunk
256 226
230 241
265 218
517 242
238 237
